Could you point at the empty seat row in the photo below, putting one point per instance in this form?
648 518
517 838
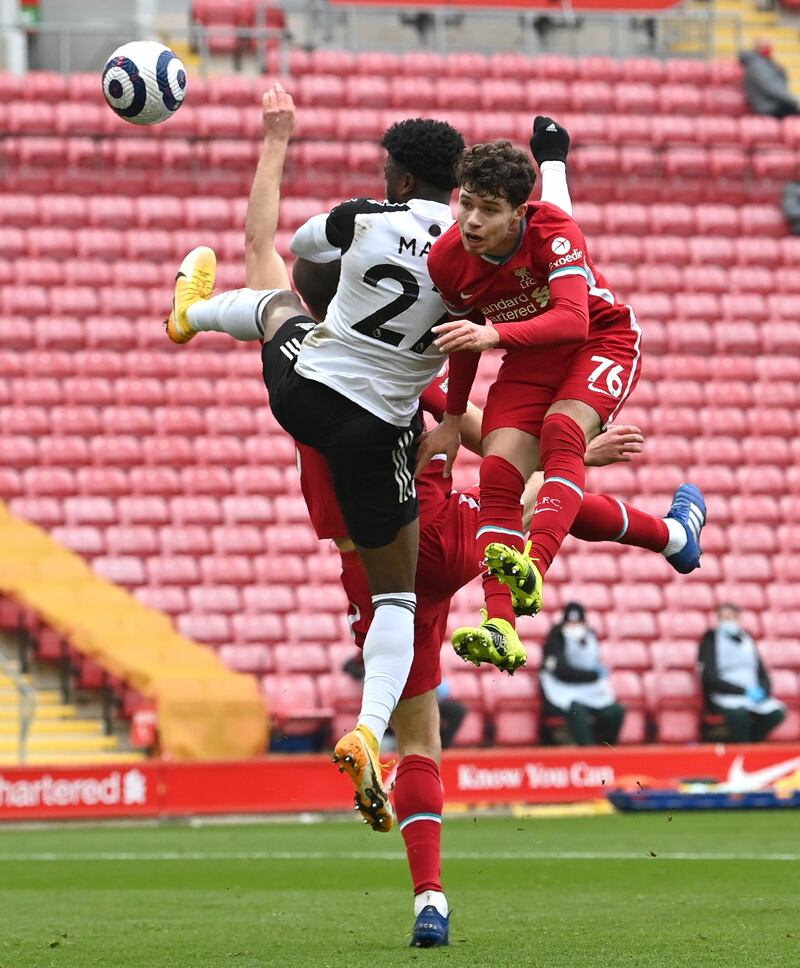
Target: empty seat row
236 88
508 712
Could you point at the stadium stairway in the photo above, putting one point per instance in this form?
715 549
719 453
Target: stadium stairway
164 469
756 23
59 733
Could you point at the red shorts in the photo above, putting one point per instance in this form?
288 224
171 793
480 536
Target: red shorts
602 373
448 560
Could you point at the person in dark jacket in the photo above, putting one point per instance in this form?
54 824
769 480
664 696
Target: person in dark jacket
735 682
576 685
790 205
765 84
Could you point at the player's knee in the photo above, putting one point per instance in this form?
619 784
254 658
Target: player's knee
280 303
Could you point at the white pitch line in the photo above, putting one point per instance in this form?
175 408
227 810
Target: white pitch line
384 855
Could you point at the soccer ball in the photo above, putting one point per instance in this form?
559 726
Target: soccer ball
144 82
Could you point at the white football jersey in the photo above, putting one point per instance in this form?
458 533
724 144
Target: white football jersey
375 344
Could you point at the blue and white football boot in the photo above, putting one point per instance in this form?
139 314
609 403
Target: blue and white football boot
431 929
688 509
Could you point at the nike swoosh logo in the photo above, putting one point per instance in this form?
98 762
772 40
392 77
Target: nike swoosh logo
466 296
741 779
545 509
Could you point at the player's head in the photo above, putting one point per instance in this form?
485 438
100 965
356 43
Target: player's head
728 615
421 159
495 181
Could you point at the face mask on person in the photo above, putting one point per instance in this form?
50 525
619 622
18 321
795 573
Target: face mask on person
729 626
575 630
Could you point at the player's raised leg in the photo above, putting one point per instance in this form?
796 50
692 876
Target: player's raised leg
240 313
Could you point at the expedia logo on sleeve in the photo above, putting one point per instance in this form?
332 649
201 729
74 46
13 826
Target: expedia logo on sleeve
575 256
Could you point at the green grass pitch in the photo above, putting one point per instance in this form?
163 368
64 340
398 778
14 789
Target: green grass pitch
721 890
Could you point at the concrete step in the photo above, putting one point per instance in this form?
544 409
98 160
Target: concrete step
44 711
10 697
54 727
57 759
6 682
58 744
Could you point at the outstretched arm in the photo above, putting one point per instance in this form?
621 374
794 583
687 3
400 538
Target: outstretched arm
550 147
264 268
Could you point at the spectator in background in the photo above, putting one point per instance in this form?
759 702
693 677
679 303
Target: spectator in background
790 205
765 83
576 685
735 682
451 711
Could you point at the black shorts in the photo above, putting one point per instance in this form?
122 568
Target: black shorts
372 462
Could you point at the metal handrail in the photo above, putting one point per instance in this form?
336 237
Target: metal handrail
27 706
195 34
335 25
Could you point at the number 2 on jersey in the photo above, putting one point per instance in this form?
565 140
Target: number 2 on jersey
372 325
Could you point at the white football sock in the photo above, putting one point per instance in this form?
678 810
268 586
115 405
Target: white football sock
677 537
554 185
237 313
388 651
436 898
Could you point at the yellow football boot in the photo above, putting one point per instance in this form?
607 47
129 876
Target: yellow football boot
494 641
358 755
195 280
518 571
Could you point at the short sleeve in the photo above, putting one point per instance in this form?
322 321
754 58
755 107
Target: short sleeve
341 224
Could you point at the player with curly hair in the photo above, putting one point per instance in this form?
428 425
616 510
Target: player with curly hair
522 275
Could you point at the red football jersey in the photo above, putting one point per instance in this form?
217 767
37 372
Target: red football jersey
517 287
317 486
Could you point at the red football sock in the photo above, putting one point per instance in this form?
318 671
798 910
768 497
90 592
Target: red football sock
605 518
418 800
562 448
500 520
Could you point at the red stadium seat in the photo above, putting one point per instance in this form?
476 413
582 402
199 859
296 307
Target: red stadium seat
195 509
212 629
294 704
55 481
120 451
749 508
514 704
320 91
727 162
83 539
238 539
675 655
255 659
44 511
263 628
184 540
635 625
63 451
780 653
160 481
125 570
204 480
466 687
173 570
549 96
629 654
762 220
224 599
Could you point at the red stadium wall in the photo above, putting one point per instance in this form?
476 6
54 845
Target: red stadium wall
309 783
